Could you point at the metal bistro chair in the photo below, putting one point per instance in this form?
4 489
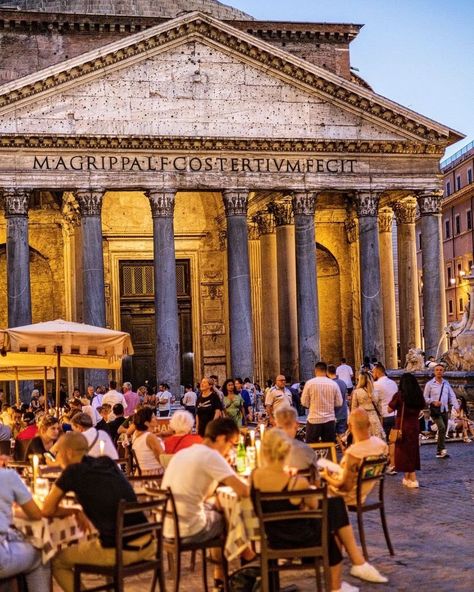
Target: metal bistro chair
318 553
116 574
371 469
325 450
175 547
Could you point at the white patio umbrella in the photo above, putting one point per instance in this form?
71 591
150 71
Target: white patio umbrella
64 344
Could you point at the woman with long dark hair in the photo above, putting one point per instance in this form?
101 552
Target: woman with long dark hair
408 403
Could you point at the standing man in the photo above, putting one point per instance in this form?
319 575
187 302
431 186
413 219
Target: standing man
239 387
189 399
164 400
385 387
439 396
341 412
278 396
131 398
344 372
112 396
321 395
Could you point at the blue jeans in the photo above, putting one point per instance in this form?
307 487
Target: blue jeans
19 557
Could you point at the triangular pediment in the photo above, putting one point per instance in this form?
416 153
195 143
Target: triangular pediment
198 77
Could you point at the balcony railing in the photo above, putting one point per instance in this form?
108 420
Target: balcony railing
444 164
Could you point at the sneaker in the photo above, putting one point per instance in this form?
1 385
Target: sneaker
368 572
442 454
345 587
391 470
467 440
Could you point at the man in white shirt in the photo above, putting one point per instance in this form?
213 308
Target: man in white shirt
193 474
189 399
278 396
81 422
385 387
344 372
112 396
164 400
322 396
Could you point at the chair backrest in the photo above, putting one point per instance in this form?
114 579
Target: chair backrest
165 459
301 512
171 515
134 465
325 450
5 447
21 446
371 470
154 511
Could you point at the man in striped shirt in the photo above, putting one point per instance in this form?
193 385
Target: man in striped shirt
322 396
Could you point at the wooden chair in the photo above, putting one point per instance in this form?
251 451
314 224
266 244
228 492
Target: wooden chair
317 553
175 547
372 469
325 450
116 574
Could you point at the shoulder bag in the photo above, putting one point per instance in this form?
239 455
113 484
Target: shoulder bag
435 410
396 434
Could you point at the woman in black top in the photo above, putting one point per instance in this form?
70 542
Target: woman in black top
48 433
208 407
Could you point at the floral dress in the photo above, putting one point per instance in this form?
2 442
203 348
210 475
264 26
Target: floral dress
233 406
373 406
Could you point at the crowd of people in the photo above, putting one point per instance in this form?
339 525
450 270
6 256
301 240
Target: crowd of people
89 435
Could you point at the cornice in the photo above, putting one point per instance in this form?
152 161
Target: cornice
197 25
214 144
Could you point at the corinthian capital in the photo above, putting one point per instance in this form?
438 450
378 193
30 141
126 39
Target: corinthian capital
235 202
282 212
252 226
429 202
405 211
90 201
385 220
352 229
265 222
161 202
304 203
367 204
17 201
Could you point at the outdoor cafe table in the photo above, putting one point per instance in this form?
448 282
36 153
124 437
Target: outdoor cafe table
242 522
50 535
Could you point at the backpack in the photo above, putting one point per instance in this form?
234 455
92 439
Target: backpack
246 579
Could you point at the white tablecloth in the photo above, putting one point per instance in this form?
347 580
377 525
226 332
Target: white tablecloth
242 522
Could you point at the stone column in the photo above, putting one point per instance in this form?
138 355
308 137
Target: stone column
269 279
408 299
166 297
352 233
240 307
18 256
287 307
371 286
434 305
90 204
388 287
256 297
304 207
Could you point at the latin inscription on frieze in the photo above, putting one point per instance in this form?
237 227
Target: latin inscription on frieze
193 164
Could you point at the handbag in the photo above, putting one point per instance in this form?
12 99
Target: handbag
396 434
435 410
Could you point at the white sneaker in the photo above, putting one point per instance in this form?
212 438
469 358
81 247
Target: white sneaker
345 587
412 484
368 572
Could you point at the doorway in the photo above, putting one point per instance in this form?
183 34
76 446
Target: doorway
137 313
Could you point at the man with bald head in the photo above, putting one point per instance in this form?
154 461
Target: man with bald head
344 484
277 397
99 485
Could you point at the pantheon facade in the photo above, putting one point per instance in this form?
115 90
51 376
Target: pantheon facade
225 189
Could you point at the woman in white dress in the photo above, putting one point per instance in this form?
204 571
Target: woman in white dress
364 396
